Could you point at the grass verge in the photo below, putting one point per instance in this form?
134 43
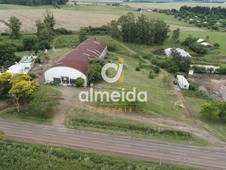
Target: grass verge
17 155
84 119
13 115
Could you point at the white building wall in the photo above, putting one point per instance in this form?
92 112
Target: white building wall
58 72
104 53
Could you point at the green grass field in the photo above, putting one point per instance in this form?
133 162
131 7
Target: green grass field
216 128
214 37
17 155
13 115
84 119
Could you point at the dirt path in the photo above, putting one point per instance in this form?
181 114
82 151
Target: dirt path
66 103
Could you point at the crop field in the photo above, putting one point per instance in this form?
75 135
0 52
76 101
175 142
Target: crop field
69 19
171 5
78 16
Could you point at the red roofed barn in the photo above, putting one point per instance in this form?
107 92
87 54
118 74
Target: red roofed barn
76 63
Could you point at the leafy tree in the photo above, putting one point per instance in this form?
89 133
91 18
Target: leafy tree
82 34
16 78
43 97
128 24
160 30
30 43
4 84
141 30
45 30
114 30
7 54
214 111
49 19
22 87
183 63
79 82
94 72
176 34
14 25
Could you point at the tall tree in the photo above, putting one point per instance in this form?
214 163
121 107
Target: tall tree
82 34
49 19
7 54
4 84
176 34
14 25
22 87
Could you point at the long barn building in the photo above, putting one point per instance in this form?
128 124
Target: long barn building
75 63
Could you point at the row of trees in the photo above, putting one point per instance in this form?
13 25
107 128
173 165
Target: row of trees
34 2
142 30
211 18
204 10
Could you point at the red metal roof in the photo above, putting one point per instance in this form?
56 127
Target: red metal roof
80 57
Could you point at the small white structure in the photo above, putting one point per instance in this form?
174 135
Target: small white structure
24 66
182 52
191 72
76 63
200 40
182 82
204 42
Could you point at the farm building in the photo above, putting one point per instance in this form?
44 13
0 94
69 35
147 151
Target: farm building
23 66
75 63
204 43
182 52
182 82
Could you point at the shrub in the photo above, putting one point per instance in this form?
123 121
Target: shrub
151 75
37 60
137 68
198 48
20 48
33 76
63 31
2 135
112 47
79 82
156 69
30 43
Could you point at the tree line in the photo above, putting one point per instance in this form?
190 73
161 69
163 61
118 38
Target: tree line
204 10
211 18
141 30
33 2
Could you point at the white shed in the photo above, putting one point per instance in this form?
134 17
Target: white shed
76 63
182 82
